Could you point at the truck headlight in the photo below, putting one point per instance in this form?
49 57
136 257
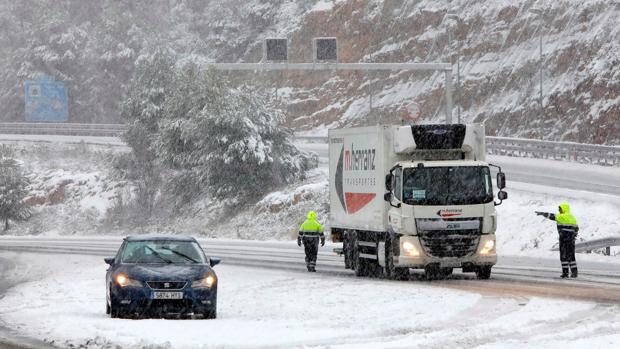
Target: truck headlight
410 249
488 247
206 282
123 281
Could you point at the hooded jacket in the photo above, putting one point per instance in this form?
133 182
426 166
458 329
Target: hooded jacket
311 228
567 223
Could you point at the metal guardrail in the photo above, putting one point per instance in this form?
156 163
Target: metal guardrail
532 148
567 151
519 147
66 129
589 246
311 139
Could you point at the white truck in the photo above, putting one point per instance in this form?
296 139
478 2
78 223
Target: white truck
416 196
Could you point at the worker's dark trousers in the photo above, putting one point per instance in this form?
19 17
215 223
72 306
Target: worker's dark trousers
567 255
311 246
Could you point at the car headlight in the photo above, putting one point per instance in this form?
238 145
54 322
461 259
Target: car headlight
206 282
488 247
410 249
123 281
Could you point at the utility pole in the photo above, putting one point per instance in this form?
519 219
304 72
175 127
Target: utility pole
541 73
540 13
458 86
457 18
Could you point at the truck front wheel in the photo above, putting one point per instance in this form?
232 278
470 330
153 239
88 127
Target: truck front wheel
483 272
391 271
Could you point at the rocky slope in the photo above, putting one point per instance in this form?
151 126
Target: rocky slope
497 43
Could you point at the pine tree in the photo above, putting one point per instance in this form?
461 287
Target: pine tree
13 190
225 141
143 108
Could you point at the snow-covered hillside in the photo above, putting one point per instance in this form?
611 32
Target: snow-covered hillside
71 187
93 49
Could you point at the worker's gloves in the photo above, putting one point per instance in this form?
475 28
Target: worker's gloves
299 241
538 213
322 241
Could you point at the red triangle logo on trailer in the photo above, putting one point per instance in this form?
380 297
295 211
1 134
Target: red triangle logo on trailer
357 201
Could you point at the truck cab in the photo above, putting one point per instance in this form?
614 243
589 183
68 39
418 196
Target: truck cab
444 214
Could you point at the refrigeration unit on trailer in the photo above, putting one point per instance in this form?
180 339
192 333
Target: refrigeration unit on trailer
413 197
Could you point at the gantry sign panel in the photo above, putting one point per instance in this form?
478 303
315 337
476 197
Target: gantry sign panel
326 49
276 50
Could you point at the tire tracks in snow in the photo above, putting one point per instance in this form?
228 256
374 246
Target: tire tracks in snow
9 339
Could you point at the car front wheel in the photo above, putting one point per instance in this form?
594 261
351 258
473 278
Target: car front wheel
113 308
211 313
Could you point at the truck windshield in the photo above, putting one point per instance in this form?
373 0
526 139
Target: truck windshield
460 185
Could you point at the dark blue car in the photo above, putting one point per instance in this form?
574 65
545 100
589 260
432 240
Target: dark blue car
161 276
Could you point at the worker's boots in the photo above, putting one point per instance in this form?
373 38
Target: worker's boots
564 273
573 273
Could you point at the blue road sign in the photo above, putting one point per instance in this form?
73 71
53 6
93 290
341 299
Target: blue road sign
46 100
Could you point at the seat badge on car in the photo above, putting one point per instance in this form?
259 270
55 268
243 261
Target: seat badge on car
166 285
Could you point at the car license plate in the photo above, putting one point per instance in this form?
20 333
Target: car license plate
450 264
167 295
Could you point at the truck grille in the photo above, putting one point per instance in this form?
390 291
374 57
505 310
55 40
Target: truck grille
450 242
455 243
166 285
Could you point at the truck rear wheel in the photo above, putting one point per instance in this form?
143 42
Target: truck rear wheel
361 269
361 266
483 272
347 249
357 263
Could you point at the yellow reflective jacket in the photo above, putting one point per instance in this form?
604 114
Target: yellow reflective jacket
310 227
567 223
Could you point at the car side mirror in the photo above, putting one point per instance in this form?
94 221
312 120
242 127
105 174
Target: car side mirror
213 261
109 261
388 182
502 195
501 180
387 196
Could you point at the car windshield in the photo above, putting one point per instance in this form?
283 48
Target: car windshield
462 185
161 251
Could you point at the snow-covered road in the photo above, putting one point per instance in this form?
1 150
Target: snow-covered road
63 303
520 275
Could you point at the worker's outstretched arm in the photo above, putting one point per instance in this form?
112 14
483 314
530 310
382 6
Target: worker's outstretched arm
551 216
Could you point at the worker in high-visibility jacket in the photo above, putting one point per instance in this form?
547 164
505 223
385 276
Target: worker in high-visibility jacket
568 229
310 232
